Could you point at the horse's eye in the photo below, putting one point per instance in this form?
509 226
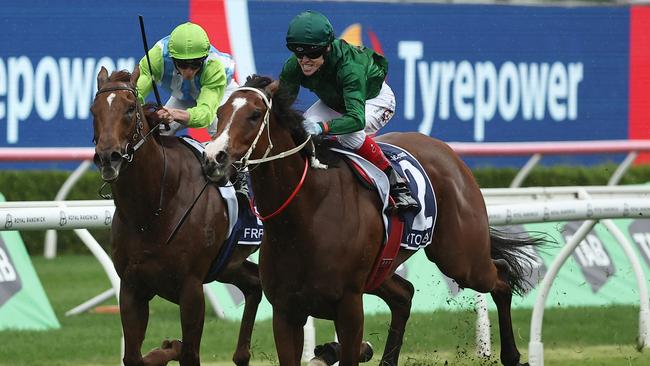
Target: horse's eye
131 109
255 115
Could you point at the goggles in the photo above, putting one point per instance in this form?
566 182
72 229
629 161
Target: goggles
305 51
194 64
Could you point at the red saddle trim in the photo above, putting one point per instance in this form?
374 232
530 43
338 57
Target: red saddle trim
361 174
384 262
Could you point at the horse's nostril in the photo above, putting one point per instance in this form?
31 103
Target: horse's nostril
116 156
221 157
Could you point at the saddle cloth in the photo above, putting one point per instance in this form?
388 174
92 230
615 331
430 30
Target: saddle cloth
250 226
418 226
243 227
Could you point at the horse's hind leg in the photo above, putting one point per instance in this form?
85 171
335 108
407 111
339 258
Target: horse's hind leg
502 296
397 293
246 278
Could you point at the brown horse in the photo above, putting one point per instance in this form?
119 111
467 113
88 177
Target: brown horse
155 181
318 251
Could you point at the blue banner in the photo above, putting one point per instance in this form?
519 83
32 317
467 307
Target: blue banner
459 72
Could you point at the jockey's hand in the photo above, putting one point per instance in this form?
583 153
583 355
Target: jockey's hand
165 115
312 127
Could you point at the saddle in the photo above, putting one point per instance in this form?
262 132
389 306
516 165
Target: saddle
410 230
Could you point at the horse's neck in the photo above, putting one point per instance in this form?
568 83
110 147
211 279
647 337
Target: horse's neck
275 181
140 183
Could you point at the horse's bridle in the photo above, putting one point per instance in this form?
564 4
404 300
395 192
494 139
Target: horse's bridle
129 150
245 161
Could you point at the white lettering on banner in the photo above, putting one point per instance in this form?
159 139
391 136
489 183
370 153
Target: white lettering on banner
480 91
64 85
590 252
47 68
7 271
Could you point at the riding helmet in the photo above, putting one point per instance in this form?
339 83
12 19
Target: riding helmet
188 41
309 30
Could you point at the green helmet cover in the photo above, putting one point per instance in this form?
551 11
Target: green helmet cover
310 28
188 41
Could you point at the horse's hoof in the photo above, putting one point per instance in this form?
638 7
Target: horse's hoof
366 352
317 361
330 352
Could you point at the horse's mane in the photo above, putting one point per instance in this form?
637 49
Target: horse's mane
284 114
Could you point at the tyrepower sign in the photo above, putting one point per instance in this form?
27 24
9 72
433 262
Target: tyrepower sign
483 73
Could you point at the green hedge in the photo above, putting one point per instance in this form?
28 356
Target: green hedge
43 186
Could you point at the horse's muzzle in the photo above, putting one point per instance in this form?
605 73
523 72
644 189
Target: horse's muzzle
217 170
108 163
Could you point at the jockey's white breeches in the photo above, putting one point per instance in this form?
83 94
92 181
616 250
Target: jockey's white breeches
379 111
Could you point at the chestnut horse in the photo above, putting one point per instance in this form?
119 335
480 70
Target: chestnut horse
155 181
320 247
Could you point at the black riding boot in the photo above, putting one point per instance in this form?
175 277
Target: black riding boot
400 191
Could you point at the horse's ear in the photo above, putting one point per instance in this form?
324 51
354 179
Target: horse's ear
135 75
102 77
272 88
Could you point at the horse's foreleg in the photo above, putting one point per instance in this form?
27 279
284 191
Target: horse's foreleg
502 296
192 306
288 335
246 278
134 313
397 293
349 327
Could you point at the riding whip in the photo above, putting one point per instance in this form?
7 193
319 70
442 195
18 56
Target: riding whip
146 53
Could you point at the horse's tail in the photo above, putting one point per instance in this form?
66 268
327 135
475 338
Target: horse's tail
511 247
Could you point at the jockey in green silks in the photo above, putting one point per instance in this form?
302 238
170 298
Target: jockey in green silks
354 99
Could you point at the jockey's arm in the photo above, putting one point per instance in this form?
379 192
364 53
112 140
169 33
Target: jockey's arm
143 86
213 87
354 98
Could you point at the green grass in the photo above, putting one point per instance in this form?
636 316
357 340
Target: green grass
571 336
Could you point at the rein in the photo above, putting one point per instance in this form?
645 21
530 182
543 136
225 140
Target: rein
286 203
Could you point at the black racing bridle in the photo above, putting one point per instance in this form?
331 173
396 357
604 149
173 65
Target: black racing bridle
137 140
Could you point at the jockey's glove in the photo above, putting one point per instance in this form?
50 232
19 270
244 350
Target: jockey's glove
312 127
